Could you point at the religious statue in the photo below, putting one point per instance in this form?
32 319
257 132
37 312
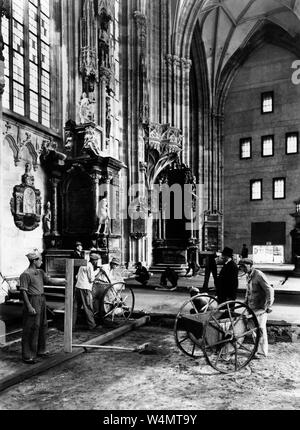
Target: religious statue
104 216
86 109
47 220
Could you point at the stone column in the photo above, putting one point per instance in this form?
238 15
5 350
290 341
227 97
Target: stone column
105 76
170 114
186 67
54 205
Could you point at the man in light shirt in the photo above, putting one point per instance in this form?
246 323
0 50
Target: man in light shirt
259 298
110 272
83 291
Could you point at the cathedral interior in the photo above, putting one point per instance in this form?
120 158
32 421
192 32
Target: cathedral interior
110 108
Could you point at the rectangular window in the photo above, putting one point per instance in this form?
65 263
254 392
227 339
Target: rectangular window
292 143
245 148
256 189
267 146
267 102
279 188
27 60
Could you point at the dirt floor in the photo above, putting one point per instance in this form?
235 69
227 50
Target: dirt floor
166 380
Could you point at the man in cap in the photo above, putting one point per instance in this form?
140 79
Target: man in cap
112 271
227 282
83 291
259 298
32 281
108 275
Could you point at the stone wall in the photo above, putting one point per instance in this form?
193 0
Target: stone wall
268 69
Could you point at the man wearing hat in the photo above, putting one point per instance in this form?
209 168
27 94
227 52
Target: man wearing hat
227 282
83 291
259 298
78 252
32 281
109 273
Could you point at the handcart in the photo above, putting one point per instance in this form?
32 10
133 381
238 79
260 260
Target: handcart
226 334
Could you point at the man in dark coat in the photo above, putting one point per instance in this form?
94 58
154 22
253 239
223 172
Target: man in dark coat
244 251
142 274
168 275
227 283
78 252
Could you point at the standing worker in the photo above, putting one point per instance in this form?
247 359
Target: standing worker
227 283
35 326
259 298
83 291
244 251
210 268
78 252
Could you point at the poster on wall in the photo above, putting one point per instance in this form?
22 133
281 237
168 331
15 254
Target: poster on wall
268 254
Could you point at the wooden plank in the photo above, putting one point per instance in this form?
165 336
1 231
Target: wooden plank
104 338
68 320
60 358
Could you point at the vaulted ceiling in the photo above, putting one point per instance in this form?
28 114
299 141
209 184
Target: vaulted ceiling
227 24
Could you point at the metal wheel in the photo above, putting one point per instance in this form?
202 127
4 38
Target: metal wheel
230 337
188 328
117 302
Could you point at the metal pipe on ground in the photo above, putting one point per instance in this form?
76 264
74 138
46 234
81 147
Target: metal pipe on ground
145 348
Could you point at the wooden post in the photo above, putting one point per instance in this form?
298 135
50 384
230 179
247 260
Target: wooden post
68 305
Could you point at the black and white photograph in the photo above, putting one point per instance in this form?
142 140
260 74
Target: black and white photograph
149 208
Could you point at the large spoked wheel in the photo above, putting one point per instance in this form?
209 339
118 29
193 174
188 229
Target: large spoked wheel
230 337
189 323
117 303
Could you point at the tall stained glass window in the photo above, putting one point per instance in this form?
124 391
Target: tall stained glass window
27 60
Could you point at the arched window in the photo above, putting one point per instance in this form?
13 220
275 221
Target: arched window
27 60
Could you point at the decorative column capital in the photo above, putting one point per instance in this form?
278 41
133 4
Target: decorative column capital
186 64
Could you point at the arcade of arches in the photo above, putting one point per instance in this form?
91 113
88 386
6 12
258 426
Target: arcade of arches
112 99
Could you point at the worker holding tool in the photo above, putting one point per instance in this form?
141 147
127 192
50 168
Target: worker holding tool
35 327
83 290
260 298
